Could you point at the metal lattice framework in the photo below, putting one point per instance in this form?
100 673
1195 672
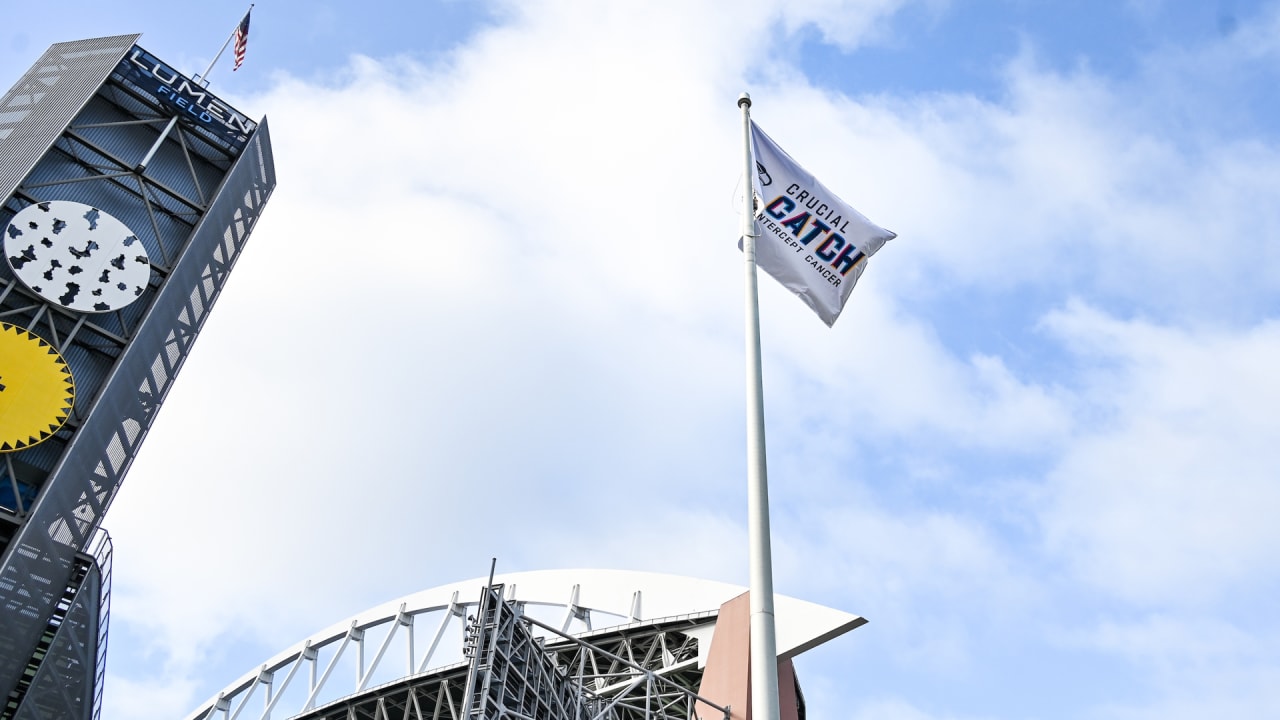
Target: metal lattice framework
76 128
515 675
651 669
69 683
437 655
510 675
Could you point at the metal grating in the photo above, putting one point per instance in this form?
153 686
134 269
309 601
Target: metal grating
72 129
37 109
64 677
511 675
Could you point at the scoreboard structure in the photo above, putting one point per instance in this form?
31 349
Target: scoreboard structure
129 191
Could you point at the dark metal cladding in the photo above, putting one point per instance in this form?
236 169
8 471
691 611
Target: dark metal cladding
34 112
70 686
75 128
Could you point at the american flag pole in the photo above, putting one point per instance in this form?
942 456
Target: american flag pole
241 36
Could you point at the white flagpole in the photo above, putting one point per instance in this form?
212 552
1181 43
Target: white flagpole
764 653
203 81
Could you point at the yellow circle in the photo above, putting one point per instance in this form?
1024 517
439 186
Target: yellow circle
36 389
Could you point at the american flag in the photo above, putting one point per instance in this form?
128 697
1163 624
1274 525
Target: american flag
242 40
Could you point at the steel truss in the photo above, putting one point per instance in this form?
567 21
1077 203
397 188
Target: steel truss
69 683
514 666
75 128
656 658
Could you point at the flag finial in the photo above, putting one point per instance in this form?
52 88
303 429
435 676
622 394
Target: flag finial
744 99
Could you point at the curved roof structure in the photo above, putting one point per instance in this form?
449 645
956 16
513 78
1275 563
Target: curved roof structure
426 634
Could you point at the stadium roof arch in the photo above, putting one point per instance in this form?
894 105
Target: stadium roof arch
620 644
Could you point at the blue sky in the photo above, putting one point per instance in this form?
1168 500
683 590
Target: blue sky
1037 451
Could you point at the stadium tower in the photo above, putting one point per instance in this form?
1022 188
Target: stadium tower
129 191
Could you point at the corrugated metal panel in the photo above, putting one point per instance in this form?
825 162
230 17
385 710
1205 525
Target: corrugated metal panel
83 483
54 179
169 167
65 679
126 144
45 455
129 144
60 176
51 140
36 110
89 370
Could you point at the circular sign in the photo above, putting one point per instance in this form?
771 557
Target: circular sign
36 389
76 256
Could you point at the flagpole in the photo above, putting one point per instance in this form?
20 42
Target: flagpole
203 80
764 654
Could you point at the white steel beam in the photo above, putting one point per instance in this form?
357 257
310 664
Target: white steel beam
317 687
363 682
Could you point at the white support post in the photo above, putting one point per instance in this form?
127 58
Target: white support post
316 687
454 610
409 654
308 653
363 682
572 608
635 606
253 687
764 654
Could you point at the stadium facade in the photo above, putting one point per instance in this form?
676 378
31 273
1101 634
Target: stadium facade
547 645
129 192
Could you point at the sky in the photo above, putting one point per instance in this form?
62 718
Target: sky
494 310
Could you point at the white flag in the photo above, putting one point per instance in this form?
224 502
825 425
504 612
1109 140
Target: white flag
807 238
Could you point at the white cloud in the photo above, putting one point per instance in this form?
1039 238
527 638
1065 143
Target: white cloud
1066 186
494 310
888 376
893 709
1168 496
932 582
140 699
1192 664
1185 642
